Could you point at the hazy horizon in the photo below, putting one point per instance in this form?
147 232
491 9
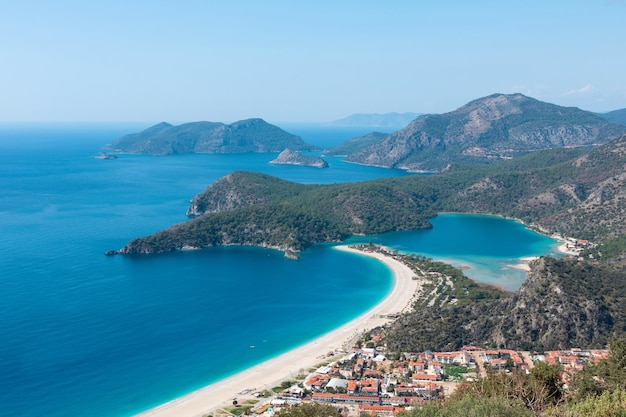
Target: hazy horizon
285 62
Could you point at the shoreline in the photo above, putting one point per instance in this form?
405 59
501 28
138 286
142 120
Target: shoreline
273 371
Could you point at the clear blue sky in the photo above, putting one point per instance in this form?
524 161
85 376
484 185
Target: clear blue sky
299 61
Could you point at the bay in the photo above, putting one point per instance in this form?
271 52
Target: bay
85 334
488 248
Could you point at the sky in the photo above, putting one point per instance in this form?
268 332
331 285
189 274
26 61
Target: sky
301 61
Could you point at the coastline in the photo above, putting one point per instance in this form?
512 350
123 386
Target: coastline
273 371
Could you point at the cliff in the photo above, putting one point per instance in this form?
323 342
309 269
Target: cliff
290 157
489 129
252 135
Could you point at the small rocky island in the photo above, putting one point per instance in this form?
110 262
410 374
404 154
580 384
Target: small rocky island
105 155
289 157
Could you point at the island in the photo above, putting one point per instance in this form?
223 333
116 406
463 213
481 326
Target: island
105 155
291 157
244 136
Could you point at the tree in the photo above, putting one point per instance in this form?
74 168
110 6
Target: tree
608 375
309 410
471 406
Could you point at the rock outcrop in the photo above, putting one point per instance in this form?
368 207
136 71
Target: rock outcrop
291 157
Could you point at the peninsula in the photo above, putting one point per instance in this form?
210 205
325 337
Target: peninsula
564 191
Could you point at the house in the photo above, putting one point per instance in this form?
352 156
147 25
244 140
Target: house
328 398
424 377
376 410
460 357
370 386
337 383
316 382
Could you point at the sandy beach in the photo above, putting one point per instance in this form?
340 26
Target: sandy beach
524 262
270 373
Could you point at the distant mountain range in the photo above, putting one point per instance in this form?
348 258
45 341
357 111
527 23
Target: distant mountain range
251 135
387 120
615 116
485 130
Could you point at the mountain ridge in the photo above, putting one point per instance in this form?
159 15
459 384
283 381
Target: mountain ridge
615 116
485 130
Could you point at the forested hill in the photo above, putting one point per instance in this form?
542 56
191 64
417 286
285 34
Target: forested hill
561 190
246 208
486 130
252 135
563 303
615 116
355 144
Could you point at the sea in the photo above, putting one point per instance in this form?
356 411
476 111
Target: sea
84 334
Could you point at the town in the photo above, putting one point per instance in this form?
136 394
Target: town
373 381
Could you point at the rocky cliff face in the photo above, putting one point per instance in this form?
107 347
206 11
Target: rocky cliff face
291 157
486 130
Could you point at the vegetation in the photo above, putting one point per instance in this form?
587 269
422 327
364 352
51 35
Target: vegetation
309 410
559 190
487 130
471 406
609 404
563 303
455 371
615 116
356 144
252 135
604 377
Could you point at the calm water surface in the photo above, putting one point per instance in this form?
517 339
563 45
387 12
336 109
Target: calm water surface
85 334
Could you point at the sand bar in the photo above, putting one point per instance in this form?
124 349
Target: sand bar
289 364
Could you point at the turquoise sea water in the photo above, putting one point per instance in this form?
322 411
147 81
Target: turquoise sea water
85 334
